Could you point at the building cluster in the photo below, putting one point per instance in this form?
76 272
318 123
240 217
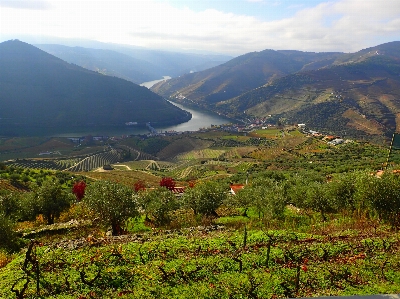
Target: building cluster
330 139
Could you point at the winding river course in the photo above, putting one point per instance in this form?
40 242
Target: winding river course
200 119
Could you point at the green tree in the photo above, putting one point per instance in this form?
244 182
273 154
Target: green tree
343 188
205 198
320 199
15 177
8 238
28 206
52 199
113 203
9 204
382 196
266 195
158 205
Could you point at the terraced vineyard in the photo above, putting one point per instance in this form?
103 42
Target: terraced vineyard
97 160
201 154
67 163
141 164
137 155
126 177
37 164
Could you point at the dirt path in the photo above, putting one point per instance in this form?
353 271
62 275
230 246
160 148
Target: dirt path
127 167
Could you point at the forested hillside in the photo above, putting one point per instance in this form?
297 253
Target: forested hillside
39 91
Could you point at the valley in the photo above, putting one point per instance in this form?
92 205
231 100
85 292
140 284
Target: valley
279 181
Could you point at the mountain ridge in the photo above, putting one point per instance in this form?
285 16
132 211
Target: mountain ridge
136 65
316 80
40 90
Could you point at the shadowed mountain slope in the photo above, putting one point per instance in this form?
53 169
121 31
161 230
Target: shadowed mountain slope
42 91
136 65
107 62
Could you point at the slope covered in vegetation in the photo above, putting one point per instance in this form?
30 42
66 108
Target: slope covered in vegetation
41 94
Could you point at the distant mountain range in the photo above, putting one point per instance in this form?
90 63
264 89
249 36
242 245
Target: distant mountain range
39 90
134 64
355 94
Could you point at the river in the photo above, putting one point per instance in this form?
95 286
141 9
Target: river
200 119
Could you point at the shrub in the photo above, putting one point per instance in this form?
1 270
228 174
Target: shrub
8 237
79 190
52 199
158 205
206 197
112 202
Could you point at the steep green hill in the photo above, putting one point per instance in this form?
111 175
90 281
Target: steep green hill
357 99
354 94
240 75
39 91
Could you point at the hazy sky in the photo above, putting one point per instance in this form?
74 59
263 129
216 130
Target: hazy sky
226 26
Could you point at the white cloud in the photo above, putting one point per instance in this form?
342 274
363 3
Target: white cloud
345 25
25 4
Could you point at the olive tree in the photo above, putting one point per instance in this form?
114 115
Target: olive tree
51 199
265 195
381 196
158 204
112 202
9 204
204 198
319 198
8 237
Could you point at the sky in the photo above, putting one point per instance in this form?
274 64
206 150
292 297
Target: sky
232 27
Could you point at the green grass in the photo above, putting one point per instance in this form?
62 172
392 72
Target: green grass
136 225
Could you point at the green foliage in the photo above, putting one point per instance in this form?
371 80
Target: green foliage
319 199
52 199
381 195
8 237
210 264
29 206
266 195
344 187
113 203
205 197
9 204
158 205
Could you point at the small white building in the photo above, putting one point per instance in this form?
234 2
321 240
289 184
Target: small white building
336 141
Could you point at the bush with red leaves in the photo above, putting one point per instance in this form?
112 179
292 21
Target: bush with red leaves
79 190
168 183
